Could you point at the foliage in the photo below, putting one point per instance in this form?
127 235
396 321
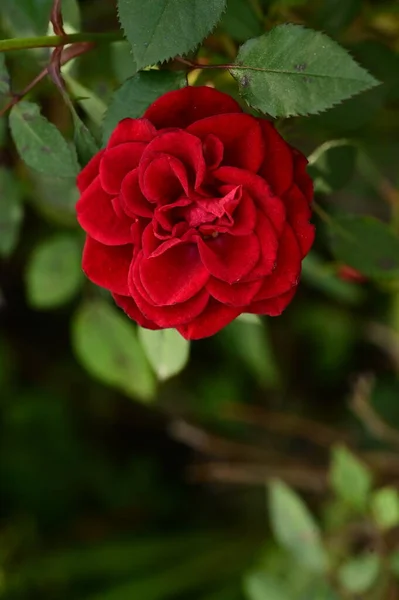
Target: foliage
260 464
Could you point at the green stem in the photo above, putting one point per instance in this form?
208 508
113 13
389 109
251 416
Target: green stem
51 41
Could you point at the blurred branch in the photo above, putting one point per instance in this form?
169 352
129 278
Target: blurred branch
361 406
52 41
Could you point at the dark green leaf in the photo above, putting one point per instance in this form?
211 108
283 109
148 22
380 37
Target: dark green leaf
320 275
26 17
350 479
332 165
357 575
40 144
367 245
86 146
336 15
123 61
167 28
382 62
54 274
105 342
137 93
11 212
166 350
240 20
296 71
4 76
295 528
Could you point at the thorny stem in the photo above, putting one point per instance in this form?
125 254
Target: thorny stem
52 41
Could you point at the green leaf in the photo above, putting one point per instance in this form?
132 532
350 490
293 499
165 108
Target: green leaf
321 276
296 71
385 507
85 143
4 76
367 245
166 349
240 20
258 585
123 61
250 341
26 17
350 479
93 106
107 346
11 212
359 574
54 274
167 28
136 95
336 15
55 198
332 165
295 528
40 144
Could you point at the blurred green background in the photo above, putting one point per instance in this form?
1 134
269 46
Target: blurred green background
266 467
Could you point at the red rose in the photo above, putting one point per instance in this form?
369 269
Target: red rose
196 213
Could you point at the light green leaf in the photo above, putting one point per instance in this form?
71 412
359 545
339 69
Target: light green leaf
11 212
106 344
123 61
4 76
385 507
136 95
258 585
240 20
93 106
26 17
359 574
250 341
367 245
40 144
54 274
166 350
295 528
350 479
332 165
296 71
167 28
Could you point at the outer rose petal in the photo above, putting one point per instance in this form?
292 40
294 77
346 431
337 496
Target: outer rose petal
259 191
286 274
127 304
268 249
228 257
132 130
277 168
210 321
89 172
298 215
241 135
301 177
107 266
274 306
238 294
131 198
174 276
180 108
97 217
117 162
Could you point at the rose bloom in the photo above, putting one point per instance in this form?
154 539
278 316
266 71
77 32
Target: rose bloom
195 214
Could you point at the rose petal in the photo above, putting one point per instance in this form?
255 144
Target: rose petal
210 321
241 136
132 200
163 178
286 274
238 294
107 266
298 215
132 130
268 249
213 150
301 177
229 258
128 305
88 174
277 167
179 144
180 108
117 162
174 276
274 306
244 216
153 246
97 217
259 191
